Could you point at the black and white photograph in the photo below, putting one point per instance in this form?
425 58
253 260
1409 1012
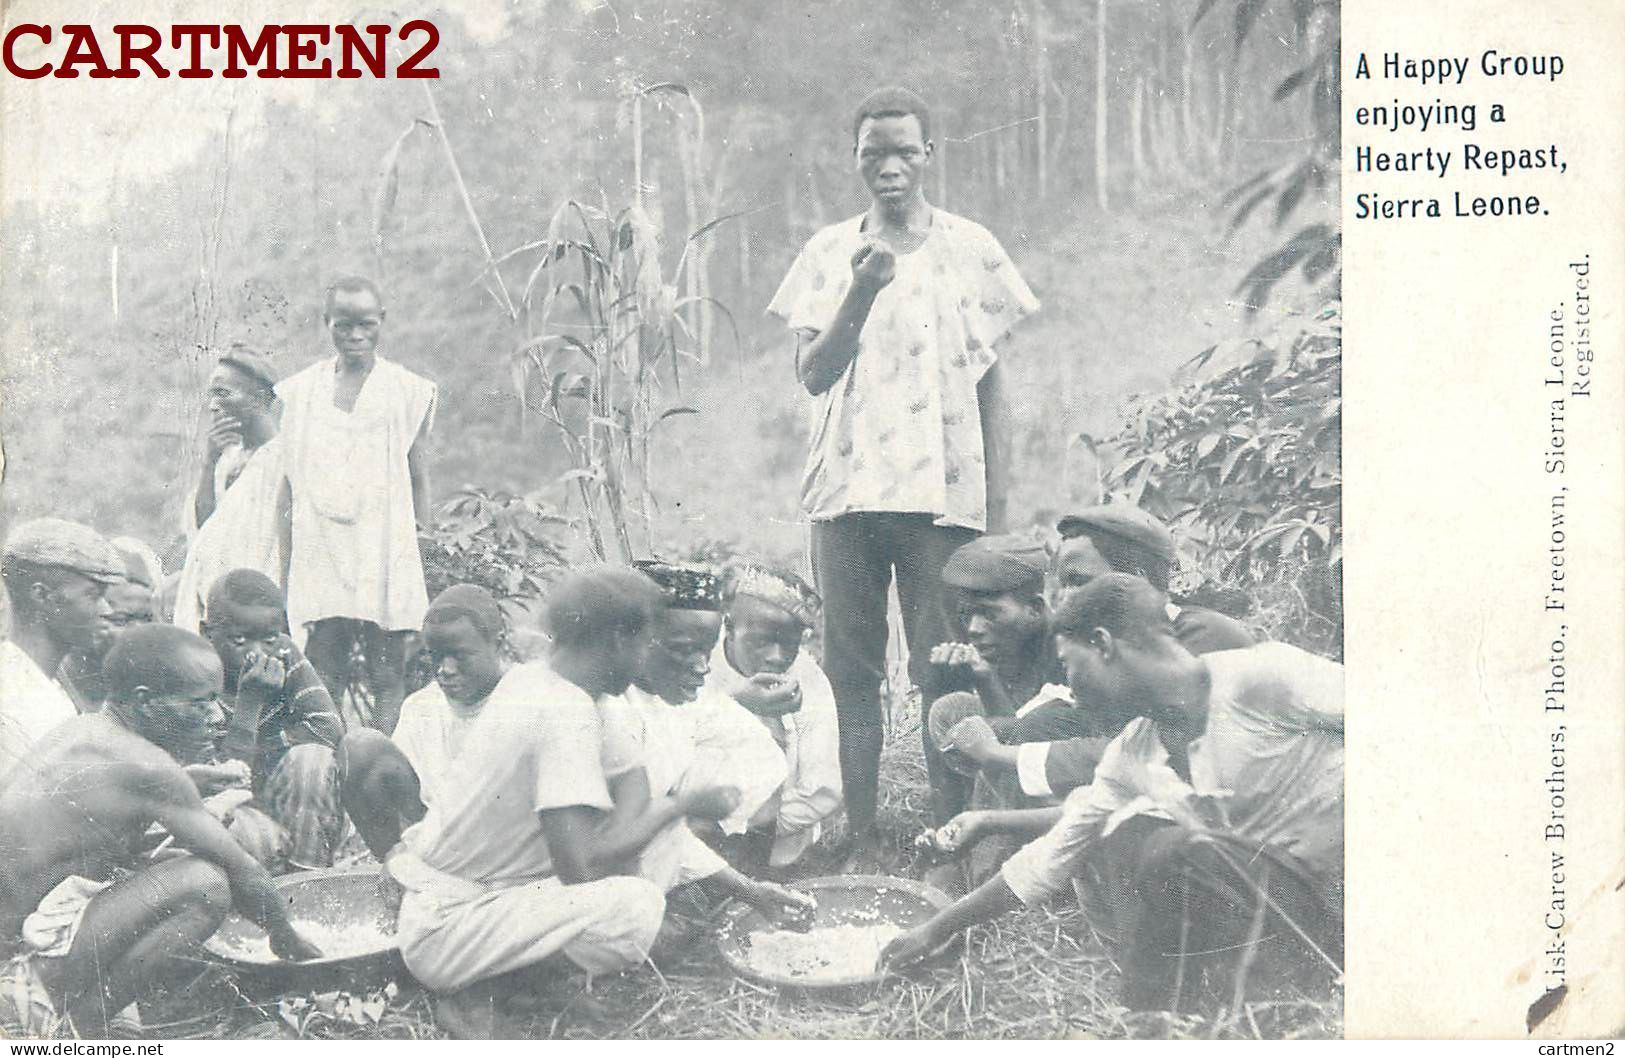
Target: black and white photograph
672 519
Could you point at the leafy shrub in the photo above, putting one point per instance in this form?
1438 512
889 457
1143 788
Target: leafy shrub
1245 459
509 545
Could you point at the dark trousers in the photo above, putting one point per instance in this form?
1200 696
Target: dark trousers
331 641
1188 915
854 558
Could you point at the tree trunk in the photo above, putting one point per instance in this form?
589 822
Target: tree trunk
1187 99
1136 119
998 165
744 258
1041 90
1102 167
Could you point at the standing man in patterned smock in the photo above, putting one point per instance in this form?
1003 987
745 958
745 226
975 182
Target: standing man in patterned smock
896 312
355 436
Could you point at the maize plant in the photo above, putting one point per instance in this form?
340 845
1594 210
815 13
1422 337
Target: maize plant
601 334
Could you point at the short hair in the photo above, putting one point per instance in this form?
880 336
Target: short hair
350 284
18 577
152 656
596 602
467 601
892 101
243 587
1125 605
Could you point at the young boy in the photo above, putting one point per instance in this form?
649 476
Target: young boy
759 663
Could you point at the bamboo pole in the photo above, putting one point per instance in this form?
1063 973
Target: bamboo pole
468 202
1101 140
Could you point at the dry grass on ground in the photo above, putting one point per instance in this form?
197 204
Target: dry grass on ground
1038 974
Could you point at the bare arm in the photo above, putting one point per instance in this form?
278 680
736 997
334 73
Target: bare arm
821 361
284 530
1021 822
632 824
996 434
223 433
417 467
176 804
992 899
203 501
570 840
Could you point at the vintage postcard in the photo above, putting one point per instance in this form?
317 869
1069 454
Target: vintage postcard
699 519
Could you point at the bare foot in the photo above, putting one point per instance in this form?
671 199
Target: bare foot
470 1014
868 853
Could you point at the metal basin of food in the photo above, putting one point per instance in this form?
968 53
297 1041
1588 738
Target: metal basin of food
341 911
843 901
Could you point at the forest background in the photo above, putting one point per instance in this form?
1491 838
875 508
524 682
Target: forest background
1162 172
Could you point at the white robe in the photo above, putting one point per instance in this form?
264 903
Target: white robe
355 545
810 741
241 533
712 741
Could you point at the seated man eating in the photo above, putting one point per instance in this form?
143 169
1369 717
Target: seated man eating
1211 836
281 724
523 851
87 926
693 735
1053 747
132 601
388 780
1129 539
759 664
1009 660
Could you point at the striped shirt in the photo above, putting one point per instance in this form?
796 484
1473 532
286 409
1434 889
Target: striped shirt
302 712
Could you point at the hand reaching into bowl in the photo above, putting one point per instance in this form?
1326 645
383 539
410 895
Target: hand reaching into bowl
288 944
910 946
789 907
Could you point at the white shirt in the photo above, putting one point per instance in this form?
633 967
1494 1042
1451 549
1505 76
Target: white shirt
31 704
901 429
1271 756
810 741
535 746
431 733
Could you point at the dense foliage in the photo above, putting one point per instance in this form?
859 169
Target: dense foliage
512 546
1246 458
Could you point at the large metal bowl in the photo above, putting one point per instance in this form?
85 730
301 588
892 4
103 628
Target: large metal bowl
854 899
335 898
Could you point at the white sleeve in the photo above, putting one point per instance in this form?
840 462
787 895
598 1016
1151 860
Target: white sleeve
813 792
1047 865
1032 769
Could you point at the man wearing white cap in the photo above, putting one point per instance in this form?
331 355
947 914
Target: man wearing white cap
56 574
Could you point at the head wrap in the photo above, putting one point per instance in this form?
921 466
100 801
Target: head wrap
777 588
686 587
1001 563
254 365
61 544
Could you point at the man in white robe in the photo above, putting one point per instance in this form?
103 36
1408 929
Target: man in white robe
240 505
355 432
